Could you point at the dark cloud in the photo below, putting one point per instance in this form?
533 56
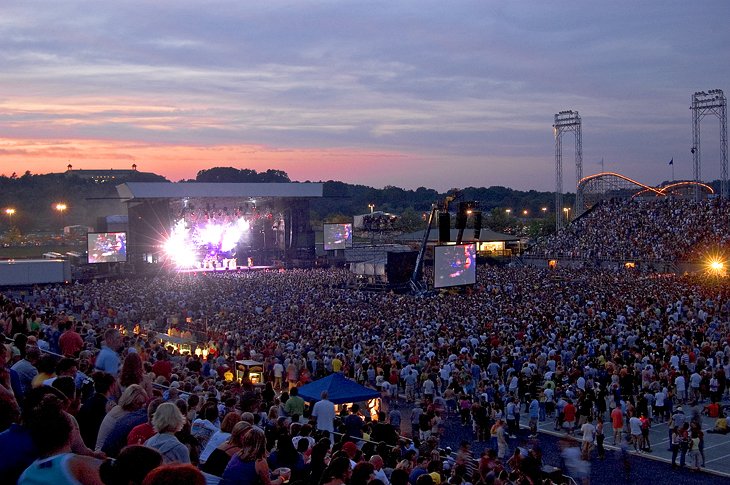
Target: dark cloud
469 83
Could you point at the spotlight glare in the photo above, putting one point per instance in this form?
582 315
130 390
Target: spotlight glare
716 267
178 248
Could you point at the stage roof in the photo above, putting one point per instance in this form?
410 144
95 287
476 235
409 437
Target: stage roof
163 190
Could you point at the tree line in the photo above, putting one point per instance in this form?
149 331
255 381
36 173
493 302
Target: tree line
33 196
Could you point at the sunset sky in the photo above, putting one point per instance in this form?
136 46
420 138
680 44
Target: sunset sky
409 93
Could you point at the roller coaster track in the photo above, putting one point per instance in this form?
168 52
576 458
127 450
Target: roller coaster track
606 185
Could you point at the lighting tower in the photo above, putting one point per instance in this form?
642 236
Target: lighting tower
567 121
712 102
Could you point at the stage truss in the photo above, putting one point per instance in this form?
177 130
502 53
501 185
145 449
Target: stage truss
565 122
713 103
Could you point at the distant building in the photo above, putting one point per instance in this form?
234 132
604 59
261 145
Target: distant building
377 220
76 230
490 243
113 223
105 176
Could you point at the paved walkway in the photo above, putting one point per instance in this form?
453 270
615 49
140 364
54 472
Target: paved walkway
717 447
643 468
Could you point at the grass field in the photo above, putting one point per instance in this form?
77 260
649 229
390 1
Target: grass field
30 252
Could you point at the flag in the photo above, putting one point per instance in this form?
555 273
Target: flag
671 162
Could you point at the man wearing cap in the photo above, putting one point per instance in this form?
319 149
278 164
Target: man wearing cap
677 420
351 449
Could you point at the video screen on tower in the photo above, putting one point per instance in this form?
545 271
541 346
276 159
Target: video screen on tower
107 247
455 265
337 236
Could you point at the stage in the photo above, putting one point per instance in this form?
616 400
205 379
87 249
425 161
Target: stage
202 227
238 269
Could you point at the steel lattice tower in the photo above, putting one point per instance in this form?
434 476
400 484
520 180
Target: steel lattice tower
712 102
567 121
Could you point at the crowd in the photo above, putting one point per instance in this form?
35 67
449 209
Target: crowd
663 229
83 396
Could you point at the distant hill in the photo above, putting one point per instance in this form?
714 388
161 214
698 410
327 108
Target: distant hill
34 196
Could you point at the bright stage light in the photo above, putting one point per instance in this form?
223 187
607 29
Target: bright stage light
211 233
186 243
178 248
233 234
180 252
716 267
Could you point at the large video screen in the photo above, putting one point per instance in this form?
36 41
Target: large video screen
107 247
455 265
337 236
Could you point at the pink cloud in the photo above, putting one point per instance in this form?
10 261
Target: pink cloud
178 162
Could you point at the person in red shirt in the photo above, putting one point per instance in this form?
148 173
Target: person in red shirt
617 421
569 412
162 367
70 342
712 410
143 432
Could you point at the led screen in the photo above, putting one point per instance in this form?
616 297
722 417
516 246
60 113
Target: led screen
107 247
337 236
455 265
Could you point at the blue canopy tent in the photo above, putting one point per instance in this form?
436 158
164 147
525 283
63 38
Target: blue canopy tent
341 390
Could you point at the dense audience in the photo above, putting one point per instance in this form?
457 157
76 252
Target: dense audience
79 387
664 229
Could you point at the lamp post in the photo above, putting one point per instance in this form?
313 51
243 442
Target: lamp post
10 212
567 213
60 207
372 207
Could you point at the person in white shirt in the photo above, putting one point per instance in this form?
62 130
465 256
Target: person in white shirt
278 374
549 401
445 374
659 398
589 432
635 430
428 389
324 412
681 386
379 473
694 384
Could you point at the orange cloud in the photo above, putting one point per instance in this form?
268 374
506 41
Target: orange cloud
178 162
